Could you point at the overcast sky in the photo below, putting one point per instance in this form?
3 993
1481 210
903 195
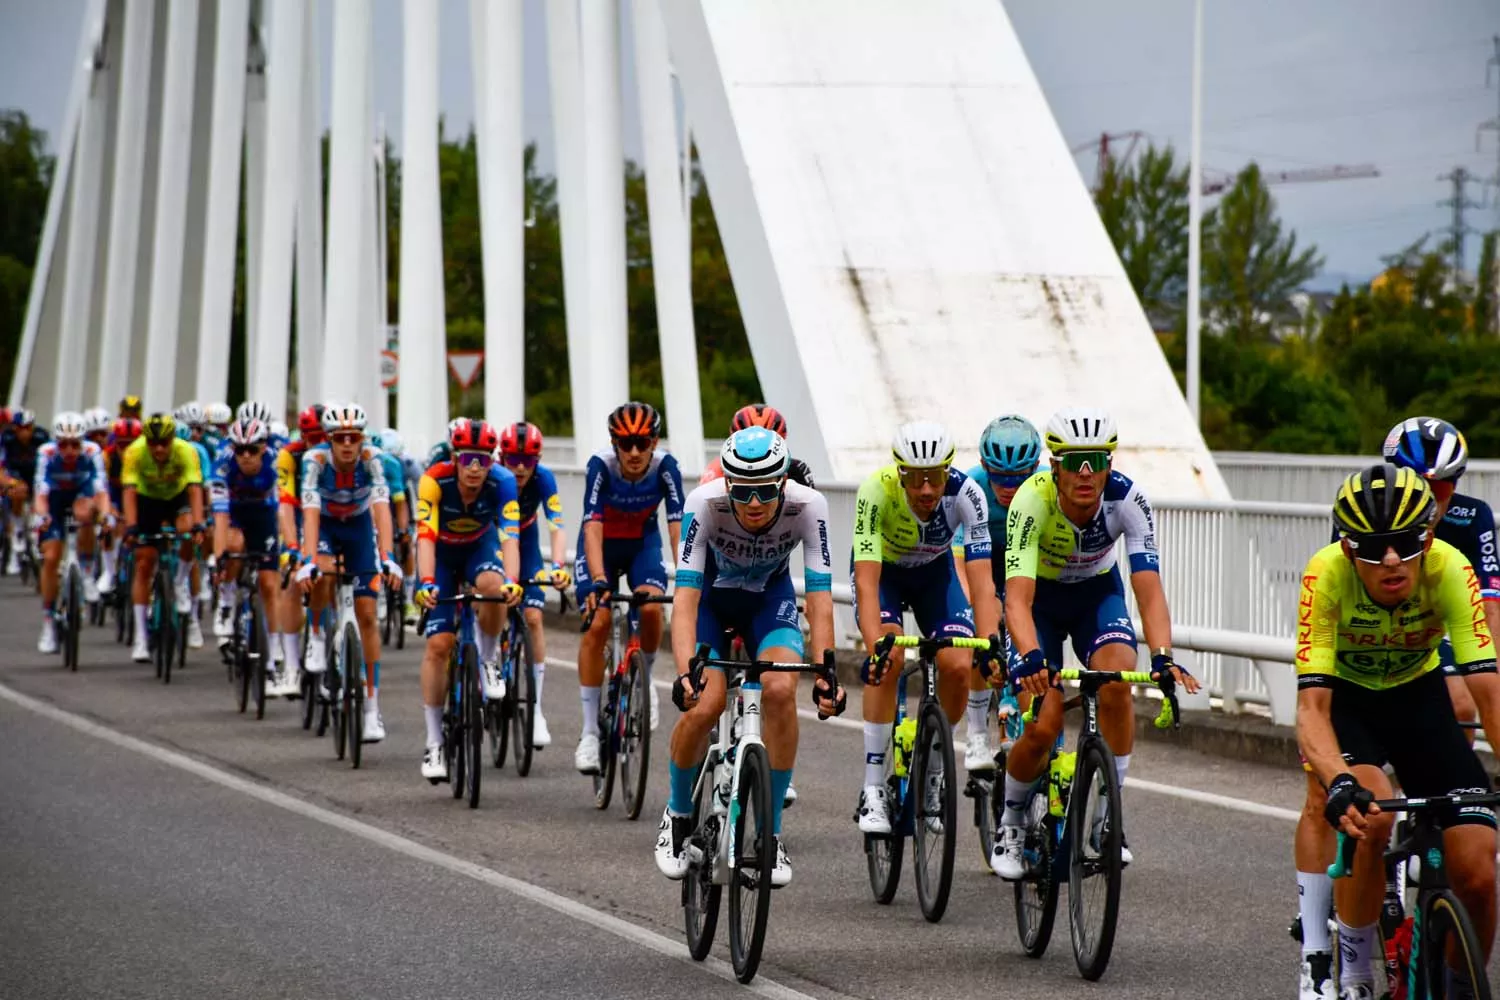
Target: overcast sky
1289 83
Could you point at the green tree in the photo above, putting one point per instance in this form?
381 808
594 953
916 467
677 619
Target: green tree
25 174
1486 279
1144 208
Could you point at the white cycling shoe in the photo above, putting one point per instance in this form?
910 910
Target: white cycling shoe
671 859
141 651
316 659
90 588
586 757
106 582
223 621
1316 981
47 641
194 633
494 682
541 736
374 725
1006 856
874 810
781 875
979 755
434 767
1357 991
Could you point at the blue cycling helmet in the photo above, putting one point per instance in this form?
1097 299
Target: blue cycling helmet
1433 448
1010 445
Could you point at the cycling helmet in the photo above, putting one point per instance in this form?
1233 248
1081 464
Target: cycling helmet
754 453
280 431
922 444
440 452
250 409
758 415
1383 499
391 443
125 430
160 427
69 426
521 438
472 435
219 414
638 419
189 413
248 430
1432 448
310 420
95 418
343 417
1081 428
130 406
23 417
1010 445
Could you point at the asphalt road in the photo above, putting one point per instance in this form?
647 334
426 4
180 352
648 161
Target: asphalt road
154 843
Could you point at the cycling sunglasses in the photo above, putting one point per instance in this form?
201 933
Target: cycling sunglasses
69 444
1408 545
249 449
935 475
1080 461
1007 480
346 437
633 442
469 459
521 461
755 492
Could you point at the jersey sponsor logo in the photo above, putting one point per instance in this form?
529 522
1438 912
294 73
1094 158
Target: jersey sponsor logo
1023 538
1460 515
1304 618
1145 506
1487 551
1410 619
823 541
787 611
1396 638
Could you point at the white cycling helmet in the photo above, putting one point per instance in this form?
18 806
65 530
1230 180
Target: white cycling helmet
1081 428
248 430
251 409
280 430
69 426
95 419
218 414
391 443
754 453
922 444
343 417
189 413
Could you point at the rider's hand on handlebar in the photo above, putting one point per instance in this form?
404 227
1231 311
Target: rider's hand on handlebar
684 693
1031 674
1349 805
561 578
426 594
512 592
305 575
1169 673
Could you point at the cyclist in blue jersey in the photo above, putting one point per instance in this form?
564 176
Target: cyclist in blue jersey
401 513
411 471
18 447
623 486
217 417
192 427
521 452
69 479
1009 450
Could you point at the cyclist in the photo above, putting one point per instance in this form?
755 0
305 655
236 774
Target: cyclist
69 478
1061 581
521 453
1009 451
130 407
395 478
346 509
289 517
243 492
623 486
122 433
96 423
192 427
760 415
411 472
18 447
905 517
1374 608
162 480
218 417
466 534
733 575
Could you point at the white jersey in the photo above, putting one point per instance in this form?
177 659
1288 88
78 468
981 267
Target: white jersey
716 549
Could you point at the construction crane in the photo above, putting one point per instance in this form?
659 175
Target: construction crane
1217 181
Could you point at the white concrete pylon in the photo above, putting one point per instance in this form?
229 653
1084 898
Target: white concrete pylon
171 204
255 184
502 172
310 219
349 159
222 210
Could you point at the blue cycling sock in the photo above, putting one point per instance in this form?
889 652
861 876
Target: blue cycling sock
375 674
780 781
680 803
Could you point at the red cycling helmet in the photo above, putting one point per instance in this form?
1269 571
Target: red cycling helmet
758 415
310 423
472 435
521 438
125 430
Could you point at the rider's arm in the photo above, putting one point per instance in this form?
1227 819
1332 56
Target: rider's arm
684 624
1315 736
1023 530
817 577
593 517
380 501
1151 597
692 561
1465 614
429 500
221 533
509 527
1318 614
129 500
671 485
40 485
958 564
974 516
312 502
1139 529
868 558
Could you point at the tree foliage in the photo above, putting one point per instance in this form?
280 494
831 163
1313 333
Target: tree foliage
25 174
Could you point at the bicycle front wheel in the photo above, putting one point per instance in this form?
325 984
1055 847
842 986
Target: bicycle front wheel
353 657
700 894
884 851
634 722
604 779
754 855
1451 949
72 619
471 737
522 696
1036 892
935 812
1094 838
260 651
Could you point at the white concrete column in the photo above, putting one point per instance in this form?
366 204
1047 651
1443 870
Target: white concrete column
173 162
479 58
83 229
222 212
125 204
502 171
382 279
670 260
565 78
365 359
349 159
310 219
255 183
422 400
283 115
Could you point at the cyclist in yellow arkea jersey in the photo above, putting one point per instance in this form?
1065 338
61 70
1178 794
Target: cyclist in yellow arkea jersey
162 482
1375 606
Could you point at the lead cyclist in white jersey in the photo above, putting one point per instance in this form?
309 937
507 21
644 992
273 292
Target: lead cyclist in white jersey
738 535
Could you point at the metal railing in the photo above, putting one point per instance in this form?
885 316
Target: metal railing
1254 475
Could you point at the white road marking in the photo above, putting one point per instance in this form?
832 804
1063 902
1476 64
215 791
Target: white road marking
581 912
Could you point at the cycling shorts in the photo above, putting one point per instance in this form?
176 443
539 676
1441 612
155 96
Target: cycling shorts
257 523
59 507
354 539
931 591
531 565
637 559
762 620
456 565
1091 614
152 515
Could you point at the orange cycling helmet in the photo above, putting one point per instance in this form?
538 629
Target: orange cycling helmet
758 415
635 420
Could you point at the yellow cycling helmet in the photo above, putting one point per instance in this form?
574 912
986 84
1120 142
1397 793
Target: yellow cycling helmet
1383 500
160 427
130 406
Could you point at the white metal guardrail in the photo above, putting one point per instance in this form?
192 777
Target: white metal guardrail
1254 475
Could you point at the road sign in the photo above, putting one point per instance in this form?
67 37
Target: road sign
390 367
465 366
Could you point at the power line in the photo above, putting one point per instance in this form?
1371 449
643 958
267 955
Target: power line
1458 230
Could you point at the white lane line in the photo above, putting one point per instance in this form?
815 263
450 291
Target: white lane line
581 912
1171 791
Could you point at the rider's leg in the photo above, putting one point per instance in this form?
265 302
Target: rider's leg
1313 852
84 510
689 735
440 639
648 575
591 660
1116 705
1360 896
954 667
880 712
140 585
538 632
184 525
779 718
1470 851
52 550
369 636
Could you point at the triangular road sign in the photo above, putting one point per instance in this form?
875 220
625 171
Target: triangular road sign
465 366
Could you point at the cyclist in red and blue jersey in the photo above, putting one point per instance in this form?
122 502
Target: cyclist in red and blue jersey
69 479
289 517
121 434
521 453
620 536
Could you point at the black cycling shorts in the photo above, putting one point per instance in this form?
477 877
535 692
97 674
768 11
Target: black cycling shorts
152 515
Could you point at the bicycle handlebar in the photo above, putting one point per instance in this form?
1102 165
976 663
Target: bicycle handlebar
1168 717
1343 858
825 671
634 600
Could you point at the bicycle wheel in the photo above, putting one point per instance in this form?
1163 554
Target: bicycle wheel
259 652
354 691
1036 892
453 738
604 781
700 894
497 721
72 619
522 698
1094 813
883 852
397 614
240 659
1448 931
634 722
935 811
754 852
472 728
982 791
167 627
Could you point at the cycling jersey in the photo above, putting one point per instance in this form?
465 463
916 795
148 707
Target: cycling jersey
797 472
83 473
717 550
18 457
627 508
289 473
228 486
183 468
343 494
1469 526
1043 544
886 530
1343 633
395 476
540 493
444 517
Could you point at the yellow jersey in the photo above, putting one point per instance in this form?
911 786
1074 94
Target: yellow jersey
140 472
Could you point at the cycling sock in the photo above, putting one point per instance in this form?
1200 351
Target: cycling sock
291 647
372 684
589 698
226 595
1122 764
1356 946
486 644
1017 796
1314 894
48 607
780 780
108 559
434 716
680 801
140 622
877 743
539 670
979 707
372 702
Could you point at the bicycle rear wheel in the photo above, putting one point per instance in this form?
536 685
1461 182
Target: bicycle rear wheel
1094 815
634 723
72 618
397 614
700 895
1036 892
522 696
354 690
754 854
1449 932
471 734
604 781
259 653
240 660
935 811
453 713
